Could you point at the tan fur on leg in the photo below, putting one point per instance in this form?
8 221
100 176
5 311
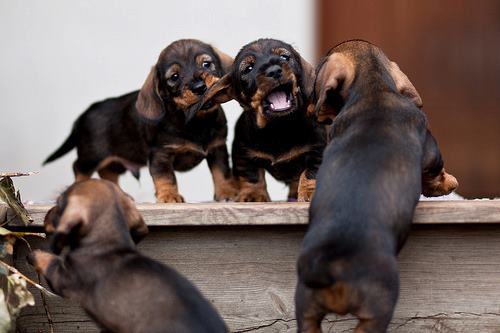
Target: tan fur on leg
224 189
166 191
253 192
306 188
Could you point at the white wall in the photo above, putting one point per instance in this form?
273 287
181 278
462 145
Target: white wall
59 56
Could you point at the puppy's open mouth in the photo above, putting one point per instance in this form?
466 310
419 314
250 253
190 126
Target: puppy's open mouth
280 100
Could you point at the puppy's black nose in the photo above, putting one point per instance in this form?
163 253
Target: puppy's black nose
274 71
199 88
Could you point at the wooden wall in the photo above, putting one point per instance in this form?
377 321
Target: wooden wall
450 276
450 49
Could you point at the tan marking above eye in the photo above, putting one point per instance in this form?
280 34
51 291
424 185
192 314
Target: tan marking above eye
281 51
174 69
250 60
203 57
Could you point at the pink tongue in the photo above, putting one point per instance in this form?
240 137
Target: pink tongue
278 99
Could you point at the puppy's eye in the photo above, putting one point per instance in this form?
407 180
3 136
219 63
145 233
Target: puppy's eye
174 77
285 57
248 68
206 64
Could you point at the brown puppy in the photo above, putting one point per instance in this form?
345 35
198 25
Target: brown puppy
122 290
380 158
272 83
112 136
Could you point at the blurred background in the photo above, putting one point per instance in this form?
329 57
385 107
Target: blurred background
58 57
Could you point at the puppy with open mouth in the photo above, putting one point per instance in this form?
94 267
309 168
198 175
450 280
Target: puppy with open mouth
159 125
272 83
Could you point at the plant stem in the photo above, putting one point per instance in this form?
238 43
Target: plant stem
33 283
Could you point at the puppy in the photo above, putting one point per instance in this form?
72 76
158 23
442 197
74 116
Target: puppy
272 83
111 136
380 158
120 289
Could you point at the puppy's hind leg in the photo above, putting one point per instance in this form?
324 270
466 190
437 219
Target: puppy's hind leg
375 325
112 172
308 311
293 188
378 303
82 170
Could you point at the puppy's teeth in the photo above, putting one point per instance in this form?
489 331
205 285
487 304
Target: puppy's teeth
272 106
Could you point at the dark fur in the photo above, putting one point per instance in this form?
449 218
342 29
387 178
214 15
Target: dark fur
379 156
115 135
264 138
122 290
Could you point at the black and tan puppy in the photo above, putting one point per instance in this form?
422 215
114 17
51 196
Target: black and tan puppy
112 136
272 83
122 290
381 157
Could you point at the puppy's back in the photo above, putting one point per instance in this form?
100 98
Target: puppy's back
368 186
157 300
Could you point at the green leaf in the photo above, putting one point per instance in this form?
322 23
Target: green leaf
5 320
12 198
4 231
19 234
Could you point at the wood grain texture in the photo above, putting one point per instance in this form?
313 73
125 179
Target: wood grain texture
450 278
289 213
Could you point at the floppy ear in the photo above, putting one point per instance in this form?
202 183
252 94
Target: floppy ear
136 225
308 77
225 60
403 84
72 223
48 221
149 103
332 84
220 92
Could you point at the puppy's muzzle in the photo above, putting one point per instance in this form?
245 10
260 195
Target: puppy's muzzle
199 88
274 71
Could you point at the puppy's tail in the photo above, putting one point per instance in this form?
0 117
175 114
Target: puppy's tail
313 270
67 145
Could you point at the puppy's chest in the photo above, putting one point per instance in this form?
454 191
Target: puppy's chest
181 146
195 141
277 157
283 146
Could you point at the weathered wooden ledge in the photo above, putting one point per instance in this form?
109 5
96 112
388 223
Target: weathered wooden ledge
291 213
243 258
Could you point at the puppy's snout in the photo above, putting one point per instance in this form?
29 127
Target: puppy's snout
199 88
274 71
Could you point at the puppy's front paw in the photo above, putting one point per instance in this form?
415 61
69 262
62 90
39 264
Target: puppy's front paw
226 191
169 197
253 196
40 260
443 184
306 188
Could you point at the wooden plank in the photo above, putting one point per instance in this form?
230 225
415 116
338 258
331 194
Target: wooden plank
450 278
289 213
